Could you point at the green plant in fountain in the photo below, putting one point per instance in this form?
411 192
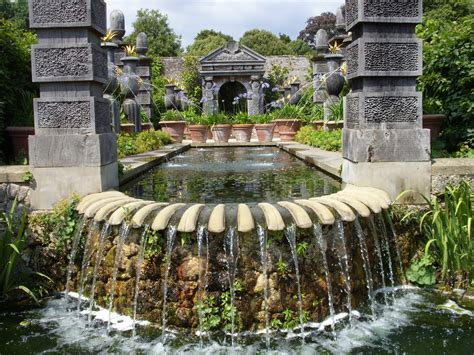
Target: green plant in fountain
281 266
301 248
448 228
153 247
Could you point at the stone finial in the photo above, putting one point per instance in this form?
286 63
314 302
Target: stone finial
340 19
117 24
321 40
142 43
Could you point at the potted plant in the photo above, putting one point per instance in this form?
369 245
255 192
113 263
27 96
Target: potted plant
197 126
288 121
220 127
264 127
146 123
173 123
242 127
337 115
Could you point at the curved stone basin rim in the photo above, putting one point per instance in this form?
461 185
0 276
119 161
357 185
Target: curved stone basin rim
114 207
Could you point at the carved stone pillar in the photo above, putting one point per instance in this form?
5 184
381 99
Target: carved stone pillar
384 143
144 72
73 149
130 88
117 26
255 99
112 88
209 100
320 66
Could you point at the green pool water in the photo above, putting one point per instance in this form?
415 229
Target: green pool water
232 175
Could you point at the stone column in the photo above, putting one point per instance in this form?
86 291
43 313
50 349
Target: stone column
384 143
113 87
117 26
320 67
255 99
144 72
73 149
209 100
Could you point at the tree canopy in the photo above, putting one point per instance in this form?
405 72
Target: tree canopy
265 43
326 21
206 41
16 11
162 40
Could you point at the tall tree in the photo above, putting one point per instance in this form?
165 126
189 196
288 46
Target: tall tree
15 11
162 40
265 43
327 21
206 41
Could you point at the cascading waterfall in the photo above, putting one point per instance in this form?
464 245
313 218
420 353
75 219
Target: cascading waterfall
378 251
231 248
124 232
344 264
387 217
322 244
86 259
366 262
290 233
75 246
140 260
262 238
202 234
98 260
386 248
170 238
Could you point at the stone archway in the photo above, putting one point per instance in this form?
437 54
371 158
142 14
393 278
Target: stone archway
227 97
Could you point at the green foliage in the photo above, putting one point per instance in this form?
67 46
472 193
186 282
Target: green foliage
242 118
16 65
337 111
281 266
193 118
319 138
261 119
207 41
276 79
158 83
447 227
28 177
292 319
448 67
209 313
153 248
191 79
216 313
300 47
136 143
12 243
16 11
218 118
301 248
264 43
162 40
172 115
288 112
422 271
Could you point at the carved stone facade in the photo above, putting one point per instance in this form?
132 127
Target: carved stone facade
384 143
73 149
233 63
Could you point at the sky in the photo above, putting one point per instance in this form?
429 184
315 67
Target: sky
232 17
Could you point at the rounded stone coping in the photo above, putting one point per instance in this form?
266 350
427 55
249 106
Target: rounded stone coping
114 207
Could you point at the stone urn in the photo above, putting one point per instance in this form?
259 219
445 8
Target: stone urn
295 93
433 122
334 81
265 132
242 132
170 97
184 101
198 133
287 128
178 101
221 133
175 129
130 84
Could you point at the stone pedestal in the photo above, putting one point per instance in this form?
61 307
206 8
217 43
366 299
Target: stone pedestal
73 149
320 67
144 71
384 143
255 99
209 97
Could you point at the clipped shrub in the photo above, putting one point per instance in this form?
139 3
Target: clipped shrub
318 138
136 143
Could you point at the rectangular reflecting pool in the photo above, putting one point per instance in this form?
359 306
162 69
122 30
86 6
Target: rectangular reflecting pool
232 175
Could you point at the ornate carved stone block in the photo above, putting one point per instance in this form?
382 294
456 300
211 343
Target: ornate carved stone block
385 57
382 11
68 14
67 63
67 116
390 109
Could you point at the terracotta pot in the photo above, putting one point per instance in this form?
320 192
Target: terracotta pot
288 129
175 129
187 134
265 132
242 132
147 126
276 131
331 125
127 128
221 133
433 122
209 133
317 124
18 140
198 133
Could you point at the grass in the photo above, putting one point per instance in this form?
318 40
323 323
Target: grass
447 226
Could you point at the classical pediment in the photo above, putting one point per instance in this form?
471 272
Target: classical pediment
233 52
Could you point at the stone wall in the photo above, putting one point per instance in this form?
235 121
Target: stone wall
299 66
10 191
